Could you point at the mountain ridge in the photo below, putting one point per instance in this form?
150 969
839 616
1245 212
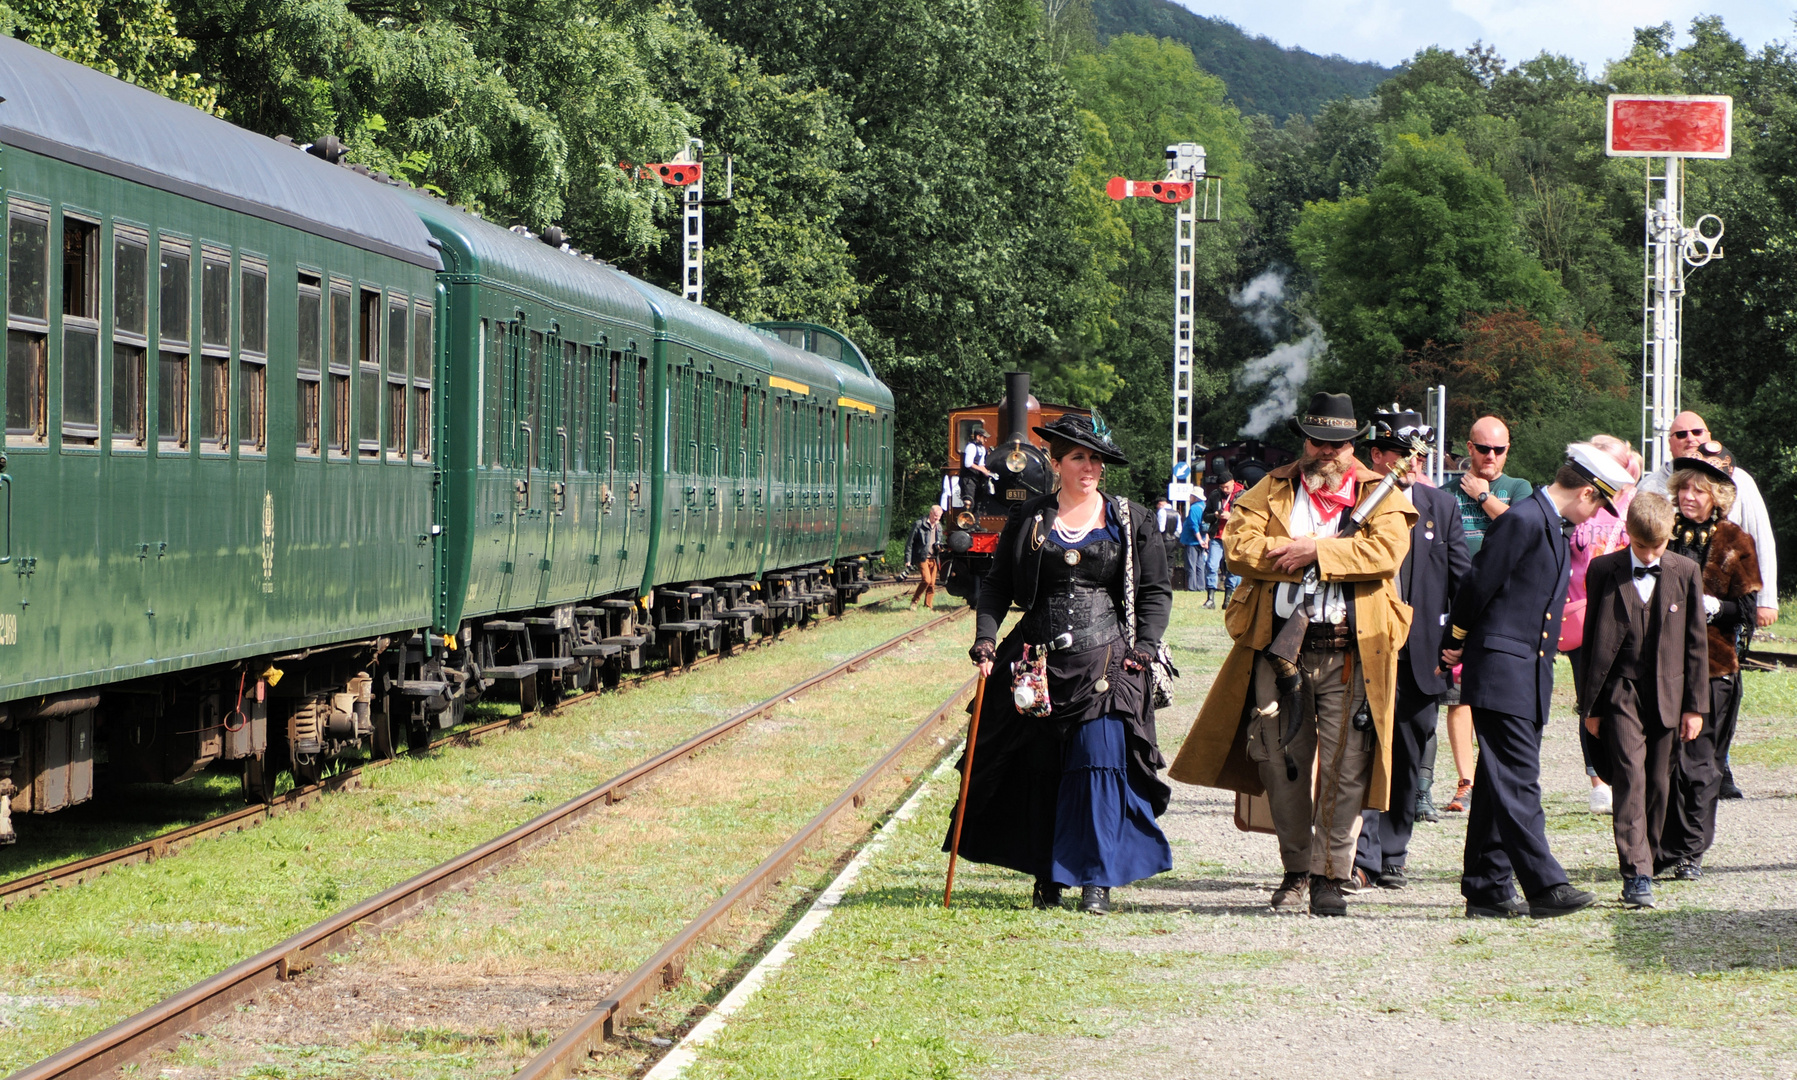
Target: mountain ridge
1261 76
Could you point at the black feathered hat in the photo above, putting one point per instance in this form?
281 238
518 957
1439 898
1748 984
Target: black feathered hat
1076 429
1707 468
1330 418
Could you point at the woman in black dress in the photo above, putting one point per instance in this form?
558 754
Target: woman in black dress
1071 797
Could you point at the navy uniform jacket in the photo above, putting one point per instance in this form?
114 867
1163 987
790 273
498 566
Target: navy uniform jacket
1510 608
1438 561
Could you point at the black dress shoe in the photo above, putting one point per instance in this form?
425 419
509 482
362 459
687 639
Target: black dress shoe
1507 908
1392 877
1729 789
1559 900
1095 899
1047 895
1689 870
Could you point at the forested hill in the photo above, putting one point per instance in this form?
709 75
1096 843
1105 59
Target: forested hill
1260 76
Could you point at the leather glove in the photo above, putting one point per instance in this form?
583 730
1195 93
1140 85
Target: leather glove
983 651
1139 656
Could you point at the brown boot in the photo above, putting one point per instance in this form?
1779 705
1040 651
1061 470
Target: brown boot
1326 897
1291 891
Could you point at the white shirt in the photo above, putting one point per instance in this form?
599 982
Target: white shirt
1327 604
1644 583
1164 517
974 454
1749 512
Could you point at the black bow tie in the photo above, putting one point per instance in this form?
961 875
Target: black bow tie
1643 571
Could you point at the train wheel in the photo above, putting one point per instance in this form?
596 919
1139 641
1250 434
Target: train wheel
382 722
258 780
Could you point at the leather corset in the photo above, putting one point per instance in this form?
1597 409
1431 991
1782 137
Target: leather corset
1083 599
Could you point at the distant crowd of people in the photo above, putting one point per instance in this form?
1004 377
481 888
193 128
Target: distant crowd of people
1361 600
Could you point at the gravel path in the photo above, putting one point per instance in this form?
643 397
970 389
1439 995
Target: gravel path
1407 987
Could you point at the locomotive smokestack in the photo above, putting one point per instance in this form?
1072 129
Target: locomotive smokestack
1014 411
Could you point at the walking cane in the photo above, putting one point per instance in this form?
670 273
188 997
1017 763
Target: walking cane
954 843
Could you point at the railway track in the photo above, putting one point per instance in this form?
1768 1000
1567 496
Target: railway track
130 1040
665 968
75 872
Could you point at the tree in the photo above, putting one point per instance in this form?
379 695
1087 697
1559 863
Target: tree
135 40
1404 264
1551 385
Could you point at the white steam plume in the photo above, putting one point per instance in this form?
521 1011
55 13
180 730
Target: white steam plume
1283 371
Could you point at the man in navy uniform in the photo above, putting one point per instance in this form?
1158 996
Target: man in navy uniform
1505 624
1427 580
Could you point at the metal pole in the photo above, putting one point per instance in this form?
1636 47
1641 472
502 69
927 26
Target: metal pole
693 251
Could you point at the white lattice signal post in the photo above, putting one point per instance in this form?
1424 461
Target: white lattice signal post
1666 129
1195 197
687 172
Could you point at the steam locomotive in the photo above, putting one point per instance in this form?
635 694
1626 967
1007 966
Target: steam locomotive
1019 458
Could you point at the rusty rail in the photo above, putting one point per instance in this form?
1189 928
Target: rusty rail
72 873
133 1038
666 967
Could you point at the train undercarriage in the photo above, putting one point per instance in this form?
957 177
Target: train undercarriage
306 712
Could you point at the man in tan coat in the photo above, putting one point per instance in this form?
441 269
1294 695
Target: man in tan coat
1355 626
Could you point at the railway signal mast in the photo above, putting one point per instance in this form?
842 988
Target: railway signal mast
1196 196
1667 129
687 172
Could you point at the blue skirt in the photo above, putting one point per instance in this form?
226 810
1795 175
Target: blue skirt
1104 830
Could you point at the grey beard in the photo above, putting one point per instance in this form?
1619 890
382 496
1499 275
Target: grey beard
1324 474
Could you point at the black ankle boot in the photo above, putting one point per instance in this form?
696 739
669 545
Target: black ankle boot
1047 895
1095 900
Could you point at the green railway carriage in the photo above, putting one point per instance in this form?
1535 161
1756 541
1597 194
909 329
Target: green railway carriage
193 477
295 456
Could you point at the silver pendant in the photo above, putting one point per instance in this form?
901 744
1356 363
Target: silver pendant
1071 558
1102 685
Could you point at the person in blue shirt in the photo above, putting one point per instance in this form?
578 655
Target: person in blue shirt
1194 539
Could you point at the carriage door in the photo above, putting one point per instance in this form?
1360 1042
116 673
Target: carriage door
513 437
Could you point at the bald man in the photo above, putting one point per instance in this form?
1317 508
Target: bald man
1689 432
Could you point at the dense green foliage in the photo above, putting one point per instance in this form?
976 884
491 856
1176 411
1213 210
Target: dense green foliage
928 175
1262 77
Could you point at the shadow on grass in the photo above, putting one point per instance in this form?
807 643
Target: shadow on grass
1706 941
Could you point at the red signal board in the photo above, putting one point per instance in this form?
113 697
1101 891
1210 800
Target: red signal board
1640 125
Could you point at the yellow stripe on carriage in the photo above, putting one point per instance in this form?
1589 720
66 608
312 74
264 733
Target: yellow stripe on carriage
788 384
851 403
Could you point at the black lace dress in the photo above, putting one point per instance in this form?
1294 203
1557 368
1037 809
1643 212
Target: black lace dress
1073 796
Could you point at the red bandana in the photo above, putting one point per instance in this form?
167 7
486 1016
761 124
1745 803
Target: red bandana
1330 503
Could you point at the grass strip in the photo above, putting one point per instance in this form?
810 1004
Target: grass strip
84 958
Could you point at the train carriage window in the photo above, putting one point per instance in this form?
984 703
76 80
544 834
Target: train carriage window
533 399
342 315
423 344
308 362
130 343
215 349
567 453
27 324
398 360
584 404
488 428
174 304
641 405
252 357
368 376
80 331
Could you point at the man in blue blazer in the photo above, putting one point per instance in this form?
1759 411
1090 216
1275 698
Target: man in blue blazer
1505 625
1427 581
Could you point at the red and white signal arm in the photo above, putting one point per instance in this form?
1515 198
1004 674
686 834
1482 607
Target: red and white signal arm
1669 125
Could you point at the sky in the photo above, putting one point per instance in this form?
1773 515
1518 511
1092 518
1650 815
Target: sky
1389 31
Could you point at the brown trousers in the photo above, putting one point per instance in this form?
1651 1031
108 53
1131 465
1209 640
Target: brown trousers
926 582
1640 750
1317 827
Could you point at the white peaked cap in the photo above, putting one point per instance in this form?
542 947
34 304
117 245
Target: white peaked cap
1605 473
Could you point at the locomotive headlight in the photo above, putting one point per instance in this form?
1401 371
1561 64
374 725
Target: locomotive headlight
966 520
1016 460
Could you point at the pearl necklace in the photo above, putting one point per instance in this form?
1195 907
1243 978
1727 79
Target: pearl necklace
1074 536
